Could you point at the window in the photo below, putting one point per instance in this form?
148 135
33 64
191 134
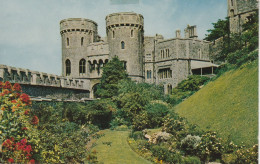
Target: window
169 89
232 3
68 41
82 40
113 34
124 64
232 13
82 66
68 67
149 74
132 33
165 73
199 53
122 45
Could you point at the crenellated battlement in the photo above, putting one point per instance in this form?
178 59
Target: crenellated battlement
129 19
26 76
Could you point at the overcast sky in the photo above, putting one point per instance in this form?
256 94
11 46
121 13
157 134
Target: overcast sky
29 29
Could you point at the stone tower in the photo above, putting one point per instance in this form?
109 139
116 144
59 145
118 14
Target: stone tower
125 35
239 11
76 35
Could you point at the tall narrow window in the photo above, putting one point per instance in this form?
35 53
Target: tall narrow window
132 33
82 66
113 34
232 13
68 67
68 41
122 45
232 4
82 40
149 74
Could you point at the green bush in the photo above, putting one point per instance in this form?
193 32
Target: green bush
189 144
136 135
156 113
163 153
193 83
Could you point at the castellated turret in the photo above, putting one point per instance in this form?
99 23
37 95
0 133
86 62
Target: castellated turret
76 34
125 35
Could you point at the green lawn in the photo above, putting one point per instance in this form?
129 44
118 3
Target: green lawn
228 105
119 152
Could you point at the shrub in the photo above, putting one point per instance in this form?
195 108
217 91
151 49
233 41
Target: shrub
247 155
193 83
156 113
136 135
19 137
210 147
190 143
141 121
163 153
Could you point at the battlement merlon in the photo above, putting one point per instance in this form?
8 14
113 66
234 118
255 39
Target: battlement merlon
124 18
78 24
26 76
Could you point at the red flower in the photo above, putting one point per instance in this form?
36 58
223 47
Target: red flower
11 160
25 98
14 101
17 87
26 112
24 128
7 85
32 161
35 120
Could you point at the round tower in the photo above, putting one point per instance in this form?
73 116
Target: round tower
76 35
125 36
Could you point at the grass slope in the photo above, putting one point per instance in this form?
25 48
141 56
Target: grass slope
119 151
228 105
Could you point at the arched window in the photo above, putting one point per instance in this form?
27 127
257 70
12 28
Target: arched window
113 34
232 13
68 67
82 66
68 41
132 33
122 45
82 40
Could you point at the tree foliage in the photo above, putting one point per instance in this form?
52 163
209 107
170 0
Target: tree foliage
113 72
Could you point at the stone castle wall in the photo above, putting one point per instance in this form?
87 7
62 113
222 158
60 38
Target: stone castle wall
42 84
239 11
125 36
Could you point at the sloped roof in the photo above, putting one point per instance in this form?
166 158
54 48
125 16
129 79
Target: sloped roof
202 64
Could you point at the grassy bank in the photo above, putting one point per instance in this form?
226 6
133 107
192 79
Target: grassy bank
228 105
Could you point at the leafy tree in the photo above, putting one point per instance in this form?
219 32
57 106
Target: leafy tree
221 29
113 72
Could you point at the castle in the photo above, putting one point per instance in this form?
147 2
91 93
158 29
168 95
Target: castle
150 59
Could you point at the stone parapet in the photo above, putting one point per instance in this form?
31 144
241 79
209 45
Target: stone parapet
26 76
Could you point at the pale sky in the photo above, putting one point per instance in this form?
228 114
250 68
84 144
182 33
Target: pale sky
29 29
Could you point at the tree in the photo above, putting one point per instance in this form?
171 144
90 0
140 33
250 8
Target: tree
221 29
113 72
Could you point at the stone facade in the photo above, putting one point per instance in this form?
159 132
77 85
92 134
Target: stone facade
147 59
239 11
150 59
